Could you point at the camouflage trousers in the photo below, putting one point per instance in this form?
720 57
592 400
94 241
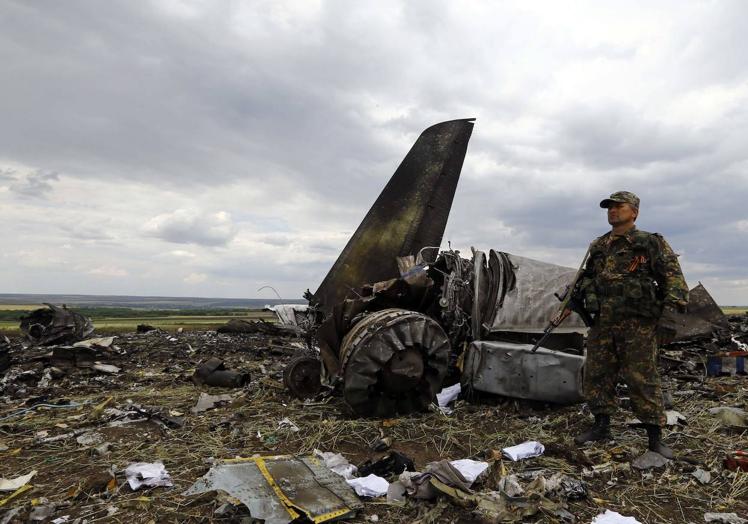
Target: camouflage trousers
627 350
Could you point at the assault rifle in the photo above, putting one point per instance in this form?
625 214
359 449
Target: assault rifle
569 302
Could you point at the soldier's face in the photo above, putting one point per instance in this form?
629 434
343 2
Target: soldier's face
619 213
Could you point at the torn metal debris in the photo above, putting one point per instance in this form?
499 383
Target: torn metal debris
55 325
213 372
281 489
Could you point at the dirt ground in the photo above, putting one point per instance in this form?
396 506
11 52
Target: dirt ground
42 420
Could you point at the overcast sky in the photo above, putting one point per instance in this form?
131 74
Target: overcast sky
195 148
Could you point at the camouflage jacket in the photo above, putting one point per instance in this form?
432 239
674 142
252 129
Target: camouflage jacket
636 274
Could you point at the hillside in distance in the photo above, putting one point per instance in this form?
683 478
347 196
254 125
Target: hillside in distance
143 302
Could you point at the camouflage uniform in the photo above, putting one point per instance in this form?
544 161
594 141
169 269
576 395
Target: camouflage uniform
628 280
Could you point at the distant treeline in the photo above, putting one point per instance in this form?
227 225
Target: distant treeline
126 312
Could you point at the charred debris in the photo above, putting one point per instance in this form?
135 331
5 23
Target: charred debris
200 426
396 318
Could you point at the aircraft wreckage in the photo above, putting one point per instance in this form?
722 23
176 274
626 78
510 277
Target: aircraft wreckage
396 318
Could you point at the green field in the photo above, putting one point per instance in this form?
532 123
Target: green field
734 310
123 319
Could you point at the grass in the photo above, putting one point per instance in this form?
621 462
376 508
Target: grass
734 310
165 322
20 307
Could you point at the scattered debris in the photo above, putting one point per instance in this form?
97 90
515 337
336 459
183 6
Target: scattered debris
470 469
724 518
150 475
649 460
13 484
55 325
95 343
290 314
239 326
41 512
337 463
613 517
731 417
369 486
525 450
302 376
4 354
106 368
446 396
145 328
736 460
702 476
392 463
206 402
288 424
278 488
213 372
92 438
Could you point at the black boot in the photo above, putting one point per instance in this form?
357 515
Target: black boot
654 433
600 430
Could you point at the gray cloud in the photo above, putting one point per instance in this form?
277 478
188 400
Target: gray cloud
191 227
36 184
292 116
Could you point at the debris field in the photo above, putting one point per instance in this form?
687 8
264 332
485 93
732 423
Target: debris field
90 420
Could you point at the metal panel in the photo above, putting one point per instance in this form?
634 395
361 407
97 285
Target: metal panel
513 370
531 304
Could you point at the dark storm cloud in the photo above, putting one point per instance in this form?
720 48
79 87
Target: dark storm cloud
614 137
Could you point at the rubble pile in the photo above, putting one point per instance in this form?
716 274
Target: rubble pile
133 427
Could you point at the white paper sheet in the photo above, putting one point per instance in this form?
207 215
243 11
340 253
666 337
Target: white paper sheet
337 463
369 486
528 449
147 474
15 483
447 395
470 469
613 517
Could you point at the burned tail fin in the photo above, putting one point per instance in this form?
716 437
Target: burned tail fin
410 213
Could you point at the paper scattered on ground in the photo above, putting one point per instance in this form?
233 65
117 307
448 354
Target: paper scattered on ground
724 518
140 474
337 463
470 469
102 342
447 395
528 449
107 368
649 460
674 418
206 402
613 517
369 486
15 483
730 416
288 424
702 476
91 438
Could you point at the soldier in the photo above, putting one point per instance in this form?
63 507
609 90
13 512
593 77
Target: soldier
630 277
